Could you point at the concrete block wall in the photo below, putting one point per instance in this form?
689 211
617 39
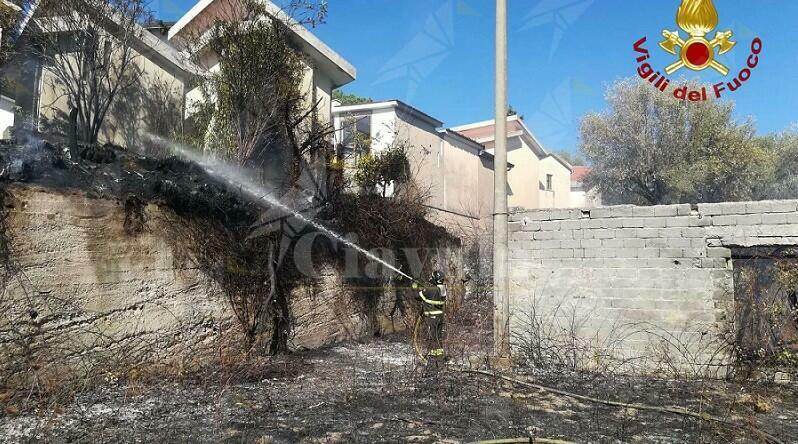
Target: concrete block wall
642 281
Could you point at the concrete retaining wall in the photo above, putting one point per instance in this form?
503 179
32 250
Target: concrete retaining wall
647 286
81 291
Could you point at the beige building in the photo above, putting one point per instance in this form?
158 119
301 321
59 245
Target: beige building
539 178
169 80
454 170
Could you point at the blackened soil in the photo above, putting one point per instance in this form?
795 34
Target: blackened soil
111 172
375 392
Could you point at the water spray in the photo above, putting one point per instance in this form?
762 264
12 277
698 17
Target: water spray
236 178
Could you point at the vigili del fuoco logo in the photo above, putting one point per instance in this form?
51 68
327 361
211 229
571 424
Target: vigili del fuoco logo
697 18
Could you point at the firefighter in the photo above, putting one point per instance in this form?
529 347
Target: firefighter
433 299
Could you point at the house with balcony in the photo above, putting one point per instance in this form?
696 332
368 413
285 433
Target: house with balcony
539 179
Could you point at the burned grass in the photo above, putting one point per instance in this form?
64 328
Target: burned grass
375 392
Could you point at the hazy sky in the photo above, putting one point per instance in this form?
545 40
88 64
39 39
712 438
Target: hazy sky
437 55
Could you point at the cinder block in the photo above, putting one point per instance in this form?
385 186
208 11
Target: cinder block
592 223
781 230
591 243
714 242
623 211
710 209
562 234
694 252
604 234
693 232
601 213
719 252
559 253
734 207
749 219
648 253
643 212
671 252
684 210
606 252
626 233
724 220
550 225
665 210
763 206
679 242
571 243
678 222
543 235
524 254
538 215
774 218
657 222
571 224
564 214
647 233
612 243
784 206
634 243
657 242
634 222
630 264
672 232
713 262
700 221
626 253
549 244
516 216
522 236
531 225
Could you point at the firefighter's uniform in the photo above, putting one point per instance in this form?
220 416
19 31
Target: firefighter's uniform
433 299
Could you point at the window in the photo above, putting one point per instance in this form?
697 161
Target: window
549 179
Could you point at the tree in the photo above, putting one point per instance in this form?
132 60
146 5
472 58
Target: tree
781 182
88 47
649 148
378 171
346 99
256 114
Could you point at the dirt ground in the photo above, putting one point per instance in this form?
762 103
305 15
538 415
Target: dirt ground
376 392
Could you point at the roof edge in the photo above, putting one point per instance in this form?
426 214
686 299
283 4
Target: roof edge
398 104
348 72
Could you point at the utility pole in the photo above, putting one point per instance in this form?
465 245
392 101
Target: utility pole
501 296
